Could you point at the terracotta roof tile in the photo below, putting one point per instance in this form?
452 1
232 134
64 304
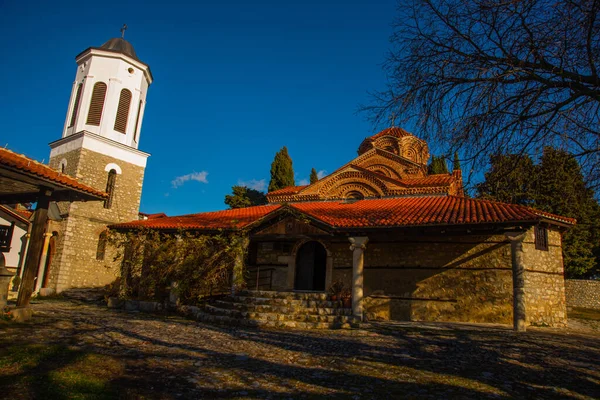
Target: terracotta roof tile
227 219
390 212
287 190
29 166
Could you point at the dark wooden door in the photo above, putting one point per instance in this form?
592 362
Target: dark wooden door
311 263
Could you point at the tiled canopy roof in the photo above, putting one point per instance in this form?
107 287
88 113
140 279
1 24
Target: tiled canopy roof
376 213
27 166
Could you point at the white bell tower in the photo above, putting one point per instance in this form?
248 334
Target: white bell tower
109 93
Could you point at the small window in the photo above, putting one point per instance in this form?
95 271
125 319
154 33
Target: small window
97 104
354 196
123 111
110 187
541 238
101 250
76 105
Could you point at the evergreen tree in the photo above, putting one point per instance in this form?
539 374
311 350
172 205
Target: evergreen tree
437 166
313 176
282 171
456 163
555 185
243 196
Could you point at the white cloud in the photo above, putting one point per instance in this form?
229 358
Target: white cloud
321 173
194 176
303 182
260 185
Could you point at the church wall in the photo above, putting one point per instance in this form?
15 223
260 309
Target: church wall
75 264
545 300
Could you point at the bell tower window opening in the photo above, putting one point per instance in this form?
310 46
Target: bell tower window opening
97 104
123 111
110 187
76 105
137 123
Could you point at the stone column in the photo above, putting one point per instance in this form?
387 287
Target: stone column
358 246
518 273
42 267
237 275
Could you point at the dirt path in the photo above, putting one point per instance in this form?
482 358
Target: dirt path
77 350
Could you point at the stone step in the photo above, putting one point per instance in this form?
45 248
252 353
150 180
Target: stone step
271 316
281 301
285 295
282 309
229 321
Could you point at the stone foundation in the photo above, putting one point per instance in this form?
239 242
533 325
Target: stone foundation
583 293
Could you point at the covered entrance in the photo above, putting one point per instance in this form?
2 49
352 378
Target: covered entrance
311 263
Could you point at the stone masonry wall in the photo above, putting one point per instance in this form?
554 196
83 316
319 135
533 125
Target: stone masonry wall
583 293
545 303
75 264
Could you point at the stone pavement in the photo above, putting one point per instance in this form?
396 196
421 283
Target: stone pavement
170 357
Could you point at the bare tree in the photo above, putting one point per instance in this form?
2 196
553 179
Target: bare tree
490 76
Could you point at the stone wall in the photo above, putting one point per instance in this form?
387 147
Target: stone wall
446 278
583 293
74 263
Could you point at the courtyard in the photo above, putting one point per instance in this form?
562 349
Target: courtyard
82 350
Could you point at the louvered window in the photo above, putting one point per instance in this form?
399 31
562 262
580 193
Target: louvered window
541 238
97 104
110 188
123 111
137 123
76 105
101 249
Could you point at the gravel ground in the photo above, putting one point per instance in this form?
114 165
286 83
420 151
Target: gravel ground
170 357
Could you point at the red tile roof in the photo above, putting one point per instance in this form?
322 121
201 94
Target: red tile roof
152 216
31 167
392 131
287 190
430 180
227 219
376 213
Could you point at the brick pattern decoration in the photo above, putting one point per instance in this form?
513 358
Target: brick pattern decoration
583 293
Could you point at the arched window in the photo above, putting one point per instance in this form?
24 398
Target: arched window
123 111
354 196
137 123
97 104
76 105
101 250
110 187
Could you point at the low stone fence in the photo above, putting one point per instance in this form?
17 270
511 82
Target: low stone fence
583 293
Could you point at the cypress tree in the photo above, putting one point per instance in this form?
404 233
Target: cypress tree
282 171
313 176
456 164
438 166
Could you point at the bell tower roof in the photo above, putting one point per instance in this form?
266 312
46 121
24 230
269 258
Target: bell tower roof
120 45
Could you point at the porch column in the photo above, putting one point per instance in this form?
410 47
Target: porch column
34 251
518 274
237 275
358 246
41 275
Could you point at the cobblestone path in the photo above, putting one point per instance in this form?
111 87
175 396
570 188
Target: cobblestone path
168 357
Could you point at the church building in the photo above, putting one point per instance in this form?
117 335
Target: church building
98 147
406 244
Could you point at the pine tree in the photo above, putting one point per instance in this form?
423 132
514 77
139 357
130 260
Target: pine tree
282 171
456 163
314 177
437 166
243 196
555 185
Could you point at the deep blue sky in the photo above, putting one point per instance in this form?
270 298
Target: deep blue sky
234 82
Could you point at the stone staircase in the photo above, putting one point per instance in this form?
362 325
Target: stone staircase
303 310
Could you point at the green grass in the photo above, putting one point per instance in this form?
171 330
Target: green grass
57 372
585 313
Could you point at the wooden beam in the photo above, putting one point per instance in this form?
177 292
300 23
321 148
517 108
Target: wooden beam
35 247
